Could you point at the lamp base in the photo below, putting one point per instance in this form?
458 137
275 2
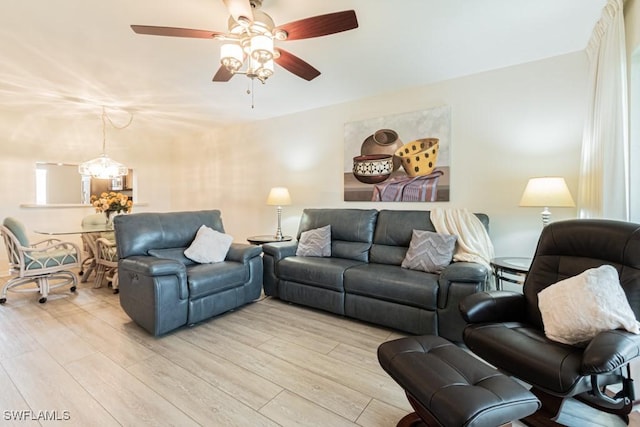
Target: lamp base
546 216
278 235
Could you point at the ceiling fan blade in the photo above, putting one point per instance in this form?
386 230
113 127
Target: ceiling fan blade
223 75
296 65
174 32
321 25
240 10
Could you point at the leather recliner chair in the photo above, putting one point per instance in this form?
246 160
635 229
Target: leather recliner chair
506 328
161 289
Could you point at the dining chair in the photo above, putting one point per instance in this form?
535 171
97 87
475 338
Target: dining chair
47 263
107 263
89 243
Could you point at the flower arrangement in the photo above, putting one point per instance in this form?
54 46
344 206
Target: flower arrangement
111 202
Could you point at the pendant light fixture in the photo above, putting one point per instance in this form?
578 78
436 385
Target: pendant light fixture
104 167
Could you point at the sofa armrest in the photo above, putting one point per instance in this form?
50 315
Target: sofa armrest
465 272
274 253
610 350
280 250
494 306
152 266
154 292
469 277
457 281
243 252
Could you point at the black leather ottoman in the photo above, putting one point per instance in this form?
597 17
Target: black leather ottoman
449 387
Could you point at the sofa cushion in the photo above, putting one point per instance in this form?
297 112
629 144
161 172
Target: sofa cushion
393 233
394 230
206 279
351 230
315 242
137 233
429 252
208 246
326 273
392 283
176 254
18 230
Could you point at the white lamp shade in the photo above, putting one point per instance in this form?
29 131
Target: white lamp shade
547 192
262 48
279 196
231 56
266 70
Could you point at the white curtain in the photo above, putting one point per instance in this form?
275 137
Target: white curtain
603 187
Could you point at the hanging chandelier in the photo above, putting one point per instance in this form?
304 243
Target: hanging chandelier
104 167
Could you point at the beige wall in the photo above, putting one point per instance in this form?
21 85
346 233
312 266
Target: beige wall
26 139
507 125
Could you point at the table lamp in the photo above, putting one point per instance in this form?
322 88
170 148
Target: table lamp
547 191
279 196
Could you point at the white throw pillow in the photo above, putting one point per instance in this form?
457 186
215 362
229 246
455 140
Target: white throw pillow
316 242
208 246
576 309
429 252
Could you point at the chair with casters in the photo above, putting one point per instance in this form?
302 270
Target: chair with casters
107 263
521 333
47 263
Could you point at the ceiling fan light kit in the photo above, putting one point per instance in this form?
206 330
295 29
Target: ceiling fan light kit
250 40
253 42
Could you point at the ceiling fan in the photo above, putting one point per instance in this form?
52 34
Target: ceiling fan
251 36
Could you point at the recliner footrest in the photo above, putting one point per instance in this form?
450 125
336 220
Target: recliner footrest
449 387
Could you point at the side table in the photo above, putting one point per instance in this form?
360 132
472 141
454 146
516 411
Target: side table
267 238
510 269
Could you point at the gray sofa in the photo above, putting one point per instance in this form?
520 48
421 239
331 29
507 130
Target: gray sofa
363 278
161 289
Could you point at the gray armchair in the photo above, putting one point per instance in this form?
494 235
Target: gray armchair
161 289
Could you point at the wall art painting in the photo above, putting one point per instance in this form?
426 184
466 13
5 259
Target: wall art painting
399 158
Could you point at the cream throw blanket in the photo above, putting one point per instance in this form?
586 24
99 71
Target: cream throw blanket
473 244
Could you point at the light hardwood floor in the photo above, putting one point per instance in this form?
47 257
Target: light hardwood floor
80 359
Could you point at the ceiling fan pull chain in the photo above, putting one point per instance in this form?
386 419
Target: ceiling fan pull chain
250 92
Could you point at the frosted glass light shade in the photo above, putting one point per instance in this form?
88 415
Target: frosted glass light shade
279 196
231 56
102 167
266 70
262 48
547 192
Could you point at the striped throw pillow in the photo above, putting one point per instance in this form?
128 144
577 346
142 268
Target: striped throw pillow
316 242
428 251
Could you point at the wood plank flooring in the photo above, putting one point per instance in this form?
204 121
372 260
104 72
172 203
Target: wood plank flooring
80 360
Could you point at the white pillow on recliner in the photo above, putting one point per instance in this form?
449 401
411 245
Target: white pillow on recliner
577 309
208 246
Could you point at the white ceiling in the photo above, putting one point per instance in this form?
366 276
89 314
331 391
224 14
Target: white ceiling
70 57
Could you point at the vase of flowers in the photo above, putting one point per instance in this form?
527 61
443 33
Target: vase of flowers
111 203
